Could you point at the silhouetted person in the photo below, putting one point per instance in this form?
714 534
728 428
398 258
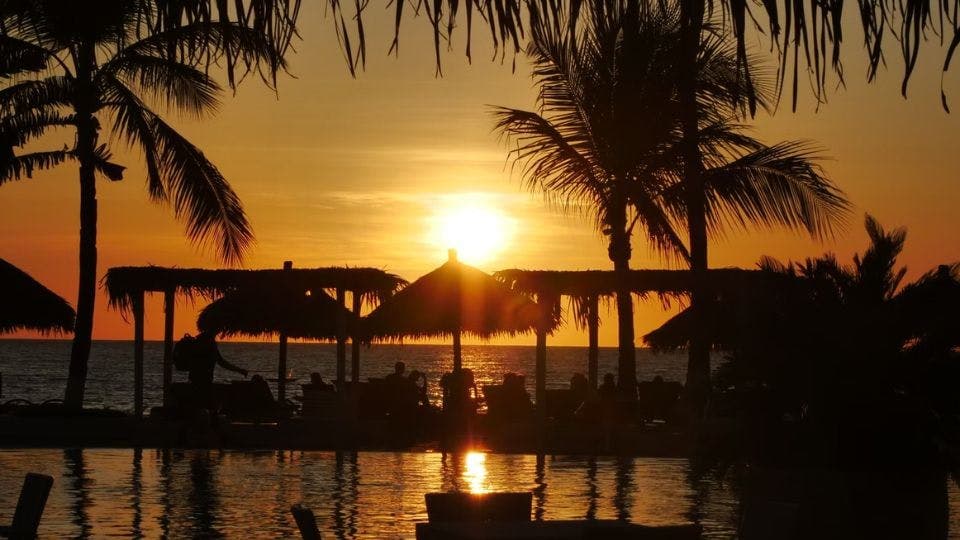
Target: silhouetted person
579 388
608 389
398 375
206 357
419 381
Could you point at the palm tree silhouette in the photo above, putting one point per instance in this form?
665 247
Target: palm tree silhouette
608 136
104 67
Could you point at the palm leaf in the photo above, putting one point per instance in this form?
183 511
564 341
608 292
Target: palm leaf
776 186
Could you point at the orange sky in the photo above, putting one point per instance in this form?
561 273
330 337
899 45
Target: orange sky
336 171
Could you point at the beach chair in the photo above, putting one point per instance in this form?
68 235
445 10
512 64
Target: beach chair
33 499
306 522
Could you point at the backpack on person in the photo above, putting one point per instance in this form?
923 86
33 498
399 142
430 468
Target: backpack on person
183 352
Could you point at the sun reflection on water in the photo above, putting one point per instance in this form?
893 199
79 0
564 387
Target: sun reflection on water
475 473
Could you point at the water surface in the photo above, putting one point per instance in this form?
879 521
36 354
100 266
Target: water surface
209 494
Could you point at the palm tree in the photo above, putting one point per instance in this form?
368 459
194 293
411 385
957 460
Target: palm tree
69 65
609 135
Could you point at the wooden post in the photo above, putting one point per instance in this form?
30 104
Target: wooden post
541 375
138 354
545 303
354 341
593 355
169 297
282 361
457 352
341 340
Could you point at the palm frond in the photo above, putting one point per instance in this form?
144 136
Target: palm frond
269 24
53 91
18 56
13 167
179 86
17 129
179 173
202 44
776 186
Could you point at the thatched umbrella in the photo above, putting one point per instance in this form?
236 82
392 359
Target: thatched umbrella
256 313
29 305
289 312
453 299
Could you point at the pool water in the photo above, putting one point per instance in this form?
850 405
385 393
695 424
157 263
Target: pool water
209 494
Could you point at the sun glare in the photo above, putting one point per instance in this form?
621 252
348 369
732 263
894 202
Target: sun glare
475 473
477 231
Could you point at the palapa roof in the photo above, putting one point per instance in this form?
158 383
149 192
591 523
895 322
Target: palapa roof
254 312
454 296
123 283
586 283
27 304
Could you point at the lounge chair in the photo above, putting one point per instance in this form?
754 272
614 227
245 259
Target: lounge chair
306 522
33 499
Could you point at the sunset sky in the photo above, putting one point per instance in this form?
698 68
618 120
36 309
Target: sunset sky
378 170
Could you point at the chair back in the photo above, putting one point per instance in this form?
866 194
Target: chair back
478 507
33 499
306 522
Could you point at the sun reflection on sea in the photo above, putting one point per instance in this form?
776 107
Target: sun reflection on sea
475 473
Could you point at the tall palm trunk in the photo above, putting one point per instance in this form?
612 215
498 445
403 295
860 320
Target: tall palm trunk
698 362
87 286
620 252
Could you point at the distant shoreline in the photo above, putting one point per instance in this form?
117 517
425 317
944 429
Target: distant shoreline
307 342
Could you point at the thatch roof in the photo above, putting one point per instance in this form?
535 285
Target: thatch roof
726 318
123 283
454 297
264 313
586 283
25 304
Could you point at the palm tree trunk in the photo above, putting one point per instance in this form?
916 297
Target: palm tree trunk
87 284
698 362
619 252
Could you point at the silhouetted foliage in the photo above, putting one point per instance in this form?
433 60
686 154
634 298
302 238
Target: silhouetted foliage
607 139
851 368
89 67
805 36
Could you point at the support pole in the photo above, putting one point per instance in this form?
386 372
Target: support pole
457 352
593 355
355 341
138 354
540 418
546 304
282 360
169 297
341 340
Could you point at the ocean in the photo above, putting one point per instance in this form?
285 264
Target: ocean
37 369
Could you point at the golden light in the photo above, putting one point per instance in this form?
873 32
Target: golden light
475 473
478 231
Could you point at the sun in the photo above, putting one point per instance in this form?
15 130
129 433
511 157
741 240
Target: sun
478 231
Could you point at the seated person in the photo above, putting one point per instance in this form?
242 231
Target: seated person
457 388
608 390
419 381
317 381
